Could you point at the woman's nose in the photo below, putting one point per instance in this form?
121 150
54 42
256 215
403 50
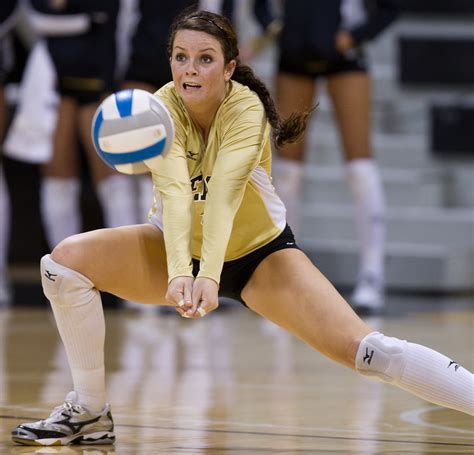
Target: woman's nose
191 68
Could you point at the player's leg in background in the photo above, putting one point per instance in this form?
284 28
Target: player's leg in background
114 190
60 183
5 294
350 93
293 93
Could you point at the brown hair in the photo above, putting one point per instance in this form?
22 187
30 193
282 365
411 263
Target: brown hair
284 131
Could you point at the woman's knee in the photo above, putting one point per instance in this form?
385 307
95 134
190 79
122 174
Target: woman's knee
71 253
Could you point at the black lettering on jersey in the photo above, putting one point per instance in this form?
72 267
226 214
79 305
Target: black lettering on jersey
199 187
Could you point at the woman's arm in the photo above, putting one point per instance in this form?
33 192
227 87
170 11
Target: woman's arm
238 156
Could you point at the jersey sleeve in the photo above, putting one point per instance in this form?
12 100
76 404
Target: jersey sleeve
238 155
171 178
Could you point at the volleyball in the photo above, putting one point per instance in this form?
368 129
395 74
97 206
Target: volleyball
132 130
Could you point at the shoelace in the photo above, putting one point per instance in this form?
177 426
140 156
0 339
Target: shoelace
68 406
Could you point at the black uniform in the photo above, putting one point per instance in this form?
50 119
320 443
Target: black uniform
307 41
148 58
85 62
7 9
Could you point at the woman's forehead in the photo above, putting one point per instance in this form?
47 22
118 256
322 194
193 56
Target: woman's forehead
196 40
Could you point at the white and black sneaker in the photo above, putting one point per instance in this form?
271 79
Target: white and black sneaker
69 423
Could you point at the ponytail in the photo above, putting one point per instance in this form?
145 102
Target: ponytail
284 131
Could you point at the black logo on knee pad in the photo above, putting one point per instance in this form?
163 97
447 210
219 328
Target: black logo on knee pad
50 276
368 357
456 365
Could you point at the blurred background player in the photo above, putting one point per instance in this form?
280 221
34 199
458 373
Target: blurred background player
326 39
8 13
80 38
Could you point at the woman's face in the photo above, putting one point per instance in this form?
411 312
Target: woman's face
199 72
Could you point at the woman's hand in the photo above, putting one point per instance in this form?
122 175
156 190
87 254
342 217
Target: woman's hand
179 293
344 41
204 296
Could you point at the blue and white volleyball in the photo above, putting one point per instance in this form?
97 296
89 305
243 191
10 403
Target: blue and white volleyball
132 130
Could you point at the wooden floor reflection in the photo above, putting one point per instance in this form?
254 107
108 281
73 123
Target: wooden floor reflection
233 383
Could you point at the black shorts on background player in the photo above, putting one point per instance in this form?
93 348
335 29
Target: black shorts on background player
85 63
307 41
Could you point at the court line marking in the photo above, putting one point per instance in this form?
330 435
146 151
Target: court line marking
414 417
263 433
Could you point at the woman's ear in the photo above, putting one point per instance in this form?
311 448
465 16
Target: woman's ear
229 70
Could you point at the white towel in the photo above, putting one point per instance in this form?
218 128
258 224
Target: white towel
30 136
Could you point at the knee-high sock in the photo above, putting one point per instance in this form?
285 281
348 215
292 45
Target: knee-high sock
117 198
417 369
365 183
4 222
145 186
287 179
77 308
60 208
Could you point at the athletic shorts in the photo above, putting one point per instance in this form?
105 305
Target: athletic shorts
236 274
84 72
315 66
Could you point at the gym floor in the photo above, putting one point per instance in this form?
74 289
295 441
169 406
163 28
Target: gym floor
234 383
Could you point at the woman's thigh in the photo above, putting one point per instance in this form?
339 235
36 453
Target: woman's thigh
351 97
129 261
289 290
294 93
64 162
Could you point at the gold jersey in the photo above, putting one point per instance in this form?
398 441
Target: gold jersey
216 202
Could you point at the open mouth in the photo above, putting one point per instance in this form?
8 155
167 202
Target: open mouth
191 86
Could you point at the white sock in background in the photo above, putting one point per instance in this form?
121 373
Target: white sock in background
287 180
77 308
60 208
145 195
117 198
366 186
4 238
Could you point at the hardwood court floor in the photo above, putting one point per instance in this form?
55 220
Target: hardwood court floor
233 383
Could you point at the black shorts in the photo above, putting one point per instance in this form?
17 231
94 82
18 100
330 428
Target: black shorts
84 68
315 66
236 274
85 90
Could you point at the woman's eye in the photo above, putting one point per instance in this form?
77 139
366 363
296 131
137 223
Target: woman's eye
180 57
206 59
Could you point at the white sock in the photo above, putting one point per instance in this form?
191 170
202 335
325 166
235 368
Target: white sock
4 222
117 198
145 187
287 179
417 369
60 208
77 308
365 183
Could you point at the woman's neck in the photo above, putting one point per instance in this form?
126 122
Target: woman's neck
203 117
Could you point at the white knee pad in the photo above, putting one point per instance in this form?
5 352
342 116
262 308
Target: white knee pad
62 285
381 357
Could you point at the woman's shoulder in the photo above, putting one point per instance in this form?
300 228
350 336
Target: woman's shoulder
240 98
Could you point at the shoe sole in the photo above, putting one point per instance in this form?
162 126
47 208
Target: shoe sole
102 437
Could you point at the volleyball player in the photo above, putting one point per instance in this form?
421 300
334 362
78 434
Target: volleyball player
217 228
